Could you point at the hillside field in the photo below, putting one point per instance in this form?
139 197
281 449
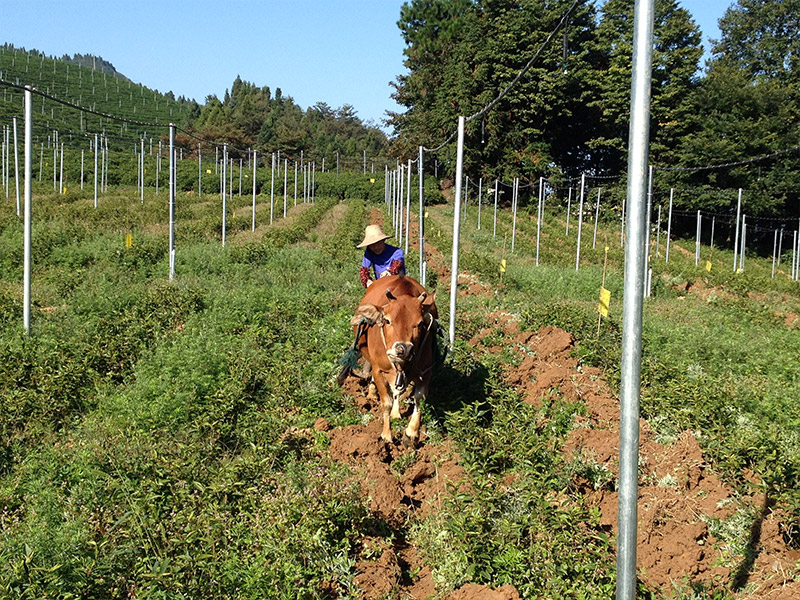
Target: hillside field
188 438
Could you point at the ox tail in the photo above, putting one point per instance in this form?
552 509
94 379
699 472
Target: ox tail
349 363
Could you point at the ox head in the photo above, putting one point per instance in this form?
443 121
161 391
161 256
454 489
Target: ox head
404 322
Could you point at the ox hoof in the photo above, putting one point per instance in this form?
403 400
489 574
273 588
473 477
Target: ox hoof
409 442
386 438
396 413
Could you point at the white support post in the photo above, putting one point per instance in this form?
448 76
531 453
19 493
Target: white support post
736 237
172 188
456 230
26 247
580 223
255 162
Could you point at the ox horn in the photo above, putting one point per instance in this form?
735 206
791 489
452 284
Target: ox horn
422 297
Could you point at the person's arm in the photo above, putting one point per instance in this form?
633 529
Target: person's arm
396 267
363 273
398 264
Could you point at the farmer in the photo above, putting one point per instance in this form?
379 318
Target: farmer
384 258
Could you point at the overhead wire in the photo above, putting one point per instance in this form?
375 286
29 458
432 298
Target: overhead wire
514 81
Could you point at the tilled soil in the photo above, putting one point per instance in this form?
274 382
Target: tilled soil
679 492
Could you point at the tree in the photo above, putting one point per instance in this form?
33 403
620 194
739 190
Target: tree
761 37
676 56
750 108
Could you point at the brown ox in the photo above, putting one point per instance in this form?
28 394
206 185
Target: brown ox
398 342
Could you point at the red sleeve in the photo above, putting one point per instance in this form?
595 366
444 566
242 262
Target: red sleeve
396 267
363 273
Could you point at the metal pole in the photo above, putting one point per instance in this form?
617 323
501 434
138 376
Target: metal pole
569 208
408 206
713 224
272 189
172 188
255 162
669 224
774 251
224 190
26 244
658 231
580 224
55 161
456 230
16 164
199 168
158 165
597 218
398 207
141 159
697 242
651 171
635 263
496 195
95 170
744 239
514 212
480 190
421 170
539 218
736 237
285 184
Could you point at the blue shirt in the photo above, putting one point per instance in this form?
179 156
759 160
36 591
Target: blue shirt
381 262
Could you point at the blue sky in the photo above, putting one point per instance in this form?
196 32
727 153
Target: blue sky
335 51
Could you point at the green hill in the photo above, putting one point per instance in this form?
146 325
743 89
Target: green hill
103 90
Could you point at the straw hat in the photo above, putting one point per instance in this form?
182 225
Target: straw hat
372 235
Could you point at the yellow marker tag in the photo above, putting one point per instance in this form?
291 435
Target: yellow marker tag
208 171
426 214
128 240
708 265
503 266
605 301
372 180
438 233
64 192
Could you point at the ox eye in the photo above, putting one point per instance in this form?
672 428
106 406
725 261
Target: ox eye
386 321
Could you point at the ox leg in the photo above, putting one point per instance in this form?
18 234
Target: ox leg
396 407
386 404
411 433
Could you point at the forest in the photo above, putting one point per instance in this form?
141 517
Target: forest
569 114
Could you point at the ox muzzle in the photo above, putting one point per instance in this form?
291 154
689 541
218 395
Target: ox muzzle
401 355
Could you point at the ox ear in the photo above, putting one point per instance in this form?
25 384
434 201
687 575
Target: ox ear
390 295
429 304
370 313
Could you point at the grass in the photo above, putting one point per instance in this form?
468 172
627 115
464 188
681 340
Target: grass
143 451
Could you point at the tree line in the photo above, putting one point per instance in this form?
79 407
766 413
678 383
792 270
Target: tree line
569 113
